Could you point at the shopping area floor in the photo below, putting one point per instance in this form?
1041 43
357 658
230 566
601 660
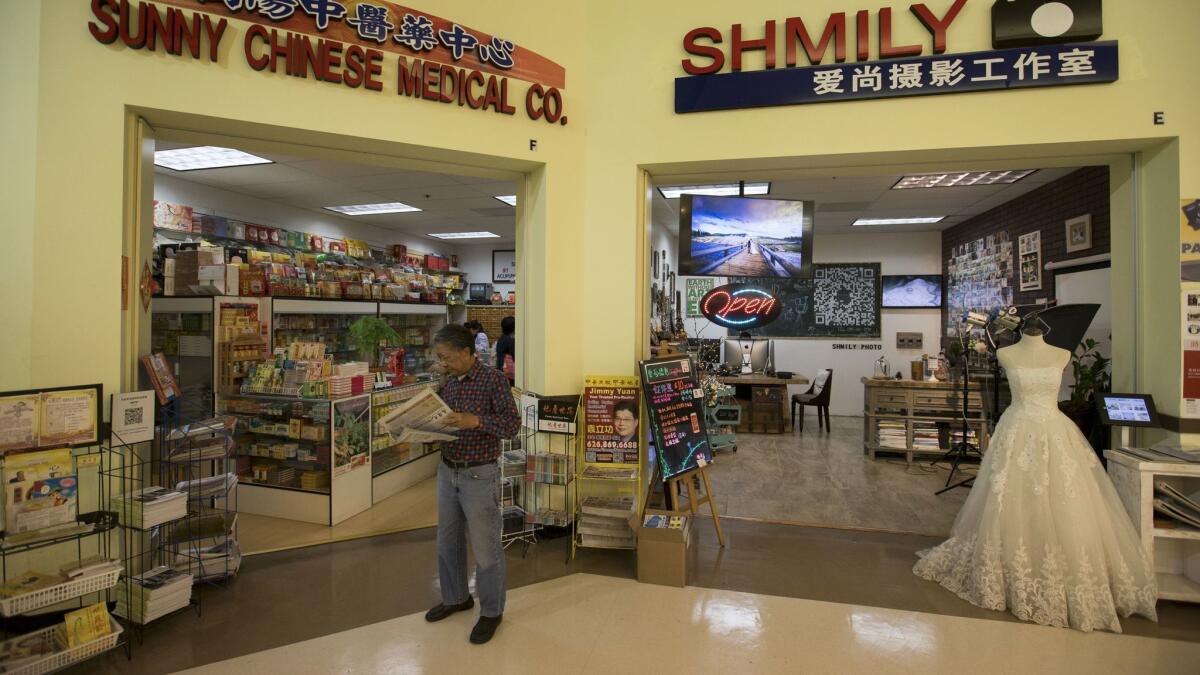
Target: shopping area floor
292 596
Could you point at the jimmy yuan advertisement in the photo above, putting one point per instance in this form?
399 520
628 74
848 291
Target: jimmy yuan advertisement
612 413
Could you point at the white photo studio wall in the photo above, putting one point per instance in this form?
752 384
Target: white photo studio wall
850 358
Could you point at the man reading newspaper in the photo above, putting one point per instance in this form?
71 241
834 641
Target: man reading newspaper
482 414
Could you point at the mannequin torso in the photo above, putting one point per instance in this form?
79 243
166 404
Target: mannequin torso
1033 352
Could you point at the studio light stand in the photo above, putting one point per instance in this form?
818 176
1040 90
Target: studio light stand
963 449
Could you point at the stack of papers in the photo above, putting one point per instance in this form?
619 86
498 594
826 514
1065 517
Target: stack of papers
149 507
211 562
604 522
212 486
153 594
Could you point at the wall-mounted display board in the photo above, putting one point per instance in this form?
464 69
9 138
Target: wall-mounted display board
840 300
675 407
52 417
978 277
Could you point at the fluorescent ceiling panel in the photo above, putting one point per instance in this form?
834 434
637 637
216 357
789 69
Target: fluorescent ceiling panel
961 179
372 209
205 157
900 221
465 235
716 190
511 200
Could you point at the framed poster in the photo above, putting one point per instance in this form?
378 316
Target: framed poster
1079 233
351 434
556 414
19 421
504 267
1191 355
612 419
1189 238
132 417
654 266
697 288
1029 254
70 417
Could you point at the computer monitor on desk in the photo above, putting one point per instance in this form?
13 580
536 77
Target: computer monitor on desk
747 355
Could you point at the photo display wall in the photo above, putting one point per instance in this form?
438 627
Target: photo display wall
978 278
840 300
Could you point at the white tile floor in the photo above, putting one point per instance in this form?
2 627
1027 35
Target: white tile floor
592 624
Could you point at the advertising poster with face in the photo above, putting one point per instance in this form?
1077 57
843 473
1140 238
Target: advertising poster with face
612 432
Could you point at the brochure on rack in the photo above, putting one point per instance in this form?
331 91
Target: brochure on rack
422 419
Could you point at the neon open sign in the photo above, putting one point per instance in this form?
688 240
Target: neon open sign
740 306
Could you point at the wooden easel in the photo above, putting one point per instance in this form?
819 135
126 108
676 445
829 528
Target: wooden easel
670 492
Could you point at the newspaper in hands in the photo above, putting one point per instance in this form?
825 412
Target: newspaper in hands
422 419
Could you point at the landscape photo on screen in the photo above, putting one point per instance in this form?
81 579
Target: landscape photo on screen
912 290
746 237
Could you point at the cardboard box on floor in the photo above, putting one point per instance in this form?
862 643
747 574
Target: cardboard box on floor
664 555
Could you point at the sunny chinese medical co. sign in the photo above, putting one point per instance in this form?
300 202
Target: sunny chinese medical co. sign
346 43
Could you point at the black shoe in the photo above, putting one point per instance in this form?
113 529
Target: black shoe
485 628
442 611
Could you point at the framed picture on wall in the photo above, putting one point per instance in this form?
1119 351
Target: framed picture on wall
1029 252
1079 233
654 266
504 267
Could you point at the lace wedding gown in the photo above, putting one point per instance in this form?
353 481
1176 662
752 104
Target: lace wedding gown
1042 532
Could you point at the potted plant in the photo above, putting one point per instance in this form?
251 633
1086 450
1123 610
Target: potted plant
1091 372
368 334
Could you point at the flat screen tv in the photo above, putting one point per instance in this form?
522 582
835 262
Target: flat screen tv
912 291
745 237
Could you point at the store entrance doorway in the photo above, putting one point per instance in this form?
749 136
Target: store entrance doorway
897 255
298 289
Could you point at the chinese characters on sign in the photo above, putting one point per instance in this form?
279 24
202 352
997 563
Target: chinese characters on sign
346 43
1041 66
612 417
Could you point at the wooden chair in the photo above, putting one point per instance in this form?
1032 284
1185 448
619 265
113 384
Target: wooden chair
818 396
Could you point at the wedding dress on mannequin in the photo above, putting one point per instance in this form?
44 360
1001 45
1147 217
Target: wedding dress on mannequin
1043 533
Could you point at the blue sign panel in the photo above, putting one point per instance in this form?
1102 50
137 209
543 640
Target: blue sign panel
1040 66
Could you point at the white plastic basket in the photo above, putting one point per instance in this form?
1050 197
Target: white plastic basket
45 597
68 657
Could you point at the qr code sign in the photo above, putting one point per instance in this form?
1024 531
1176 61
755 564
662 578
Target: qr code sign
133 416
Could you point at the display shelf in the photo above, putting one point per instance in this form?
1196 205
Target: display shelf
67 657
52 595
103 521
1171 533
1173 552
1177 587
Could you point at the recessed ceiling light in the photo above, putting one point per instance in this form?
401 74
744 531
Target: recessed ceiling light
372 209
961 179
205 157
465 235
899 221
715 190
511 200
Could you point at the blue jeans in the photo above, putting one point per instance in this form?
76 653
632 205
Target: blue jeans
469 505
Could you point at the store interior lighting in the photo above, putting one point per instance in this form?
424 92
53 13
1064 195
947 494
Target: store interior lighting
205 157
465 235
715 190
372 209
961 179
511 200
899 221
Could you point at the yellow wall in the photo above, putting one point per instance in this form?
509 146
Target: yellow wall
580 251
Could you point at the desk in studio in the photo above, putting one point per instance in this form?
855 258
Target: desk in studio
912 409
770 388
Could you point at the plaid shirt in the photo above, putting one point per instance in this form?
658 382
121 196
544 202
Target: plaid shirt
483 392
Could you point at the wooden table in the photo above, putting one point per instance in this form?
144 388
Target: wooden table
776 389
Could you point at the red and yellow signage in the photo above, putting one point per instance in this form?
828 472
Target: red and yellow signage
348 43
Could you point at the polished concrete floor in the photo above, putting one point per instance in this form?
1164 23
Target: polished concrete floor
594 624
293 596
823 479
411 509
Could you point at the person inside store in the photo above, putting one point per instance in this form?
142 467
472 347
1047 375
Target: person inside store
625 420
468 493
506 349
482 343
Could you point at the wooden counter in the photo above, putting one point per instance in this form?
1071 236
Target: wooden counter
769 408
911 412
